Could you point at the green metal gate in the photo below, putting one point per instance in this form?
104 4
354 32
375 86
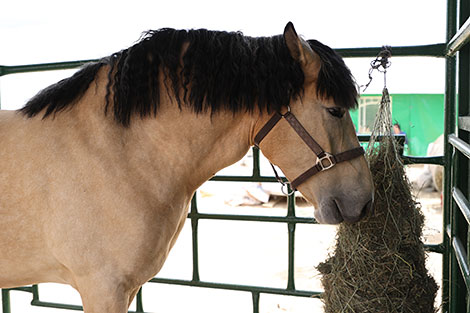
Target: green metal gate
456 273
456 244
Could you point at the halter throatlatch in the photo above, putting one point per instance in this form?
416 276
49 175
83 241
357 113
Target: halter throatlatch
325 160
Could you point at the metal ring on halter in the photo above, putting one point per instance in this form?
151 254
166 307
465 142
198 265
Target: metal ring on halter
330 162
287 193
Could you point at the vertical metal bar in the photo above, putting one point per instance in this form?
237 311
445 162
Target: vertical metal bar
449 128
462 179
467 250
290 202
139 303
457 287
455 282
291 271
35 291
291 232
256 166
255 296
194 228
6 301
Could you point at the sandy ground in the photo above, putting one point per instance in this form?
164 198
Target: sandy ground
249 253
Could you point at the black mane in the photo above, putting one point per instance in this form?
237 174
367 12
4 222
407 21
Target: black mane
335 79
222 71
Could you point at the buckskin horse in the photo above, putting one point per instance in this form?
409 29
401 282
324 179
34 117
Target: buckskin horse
102 165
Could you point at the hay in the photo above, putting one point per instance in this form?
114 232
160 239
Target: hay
378 264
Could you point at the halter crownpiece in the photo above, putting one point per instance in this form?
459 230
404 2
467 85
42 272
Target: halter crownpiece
325 160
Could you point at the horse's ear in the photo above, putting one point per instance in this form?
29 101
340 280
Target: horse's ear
301 51
292 41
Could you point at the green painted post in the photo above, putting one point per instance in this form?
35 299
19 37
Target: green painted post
6 301
291 232
139 302
35 292
449 128
194 228
462 179
256 167
255 297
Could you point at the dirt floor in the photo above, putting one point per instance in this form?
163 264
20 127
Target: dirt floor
248 253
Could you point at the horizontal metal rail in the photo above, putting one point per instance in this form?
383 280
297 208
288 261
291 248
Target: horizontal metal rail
254 218
464 123
254 178
459 144
462 203
65 306
436 248
16 69
438 160
266 290
435 50
36 302
461 256
459 40
56 305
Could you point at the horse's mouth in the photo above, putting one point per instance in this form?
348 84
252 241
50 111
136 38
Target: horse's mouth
329 213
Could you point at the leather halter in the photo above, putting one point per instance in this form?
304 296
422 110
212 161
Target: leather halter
325 160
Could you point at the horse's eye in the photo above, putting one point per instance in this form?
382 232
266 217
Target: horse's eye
336 112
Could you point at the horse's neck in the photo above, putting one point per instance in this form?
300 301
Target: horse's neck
181 148
176 149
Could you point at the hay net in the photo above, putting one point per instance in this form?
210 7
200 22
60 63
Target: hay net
378 264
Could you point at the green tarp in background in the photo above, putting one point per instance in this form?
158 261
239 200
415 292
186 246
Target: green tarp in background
421 117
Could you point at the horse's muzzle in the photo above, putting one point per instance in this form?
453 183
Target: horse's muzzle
333 211
366 210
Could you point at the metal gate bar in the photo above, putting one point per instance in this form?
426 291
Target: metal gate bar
435 50
456 270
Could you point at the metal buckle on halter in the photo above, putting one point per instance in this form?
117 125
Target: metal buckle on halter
329 161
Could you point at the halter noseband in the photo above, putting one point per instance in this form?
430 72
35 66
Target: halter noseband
325 160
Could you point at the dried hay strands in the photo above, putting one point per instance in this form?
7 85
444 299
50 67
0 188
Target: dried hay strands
378 264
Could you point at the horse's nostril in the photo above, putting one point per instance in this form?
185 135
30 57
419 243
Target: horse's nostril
368 208
365 210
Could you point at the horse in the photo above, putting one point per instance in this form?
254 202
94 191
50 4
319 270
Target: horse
102 165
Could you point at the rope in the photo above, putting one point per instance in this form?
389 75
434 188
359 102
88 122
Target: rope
381 63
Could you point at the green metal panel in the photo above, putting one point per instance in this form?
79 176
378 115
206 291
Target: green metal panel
449 127
421 117
456 273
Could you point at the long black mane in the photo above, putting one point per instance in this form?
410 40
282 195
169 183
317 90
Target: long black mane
221 71
335 79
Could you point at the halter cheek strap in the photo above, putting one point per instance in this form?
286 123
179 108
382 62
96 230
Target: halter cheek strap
325 160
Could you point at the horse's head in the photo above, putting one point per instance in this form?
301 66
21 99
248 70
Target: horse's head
314 142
